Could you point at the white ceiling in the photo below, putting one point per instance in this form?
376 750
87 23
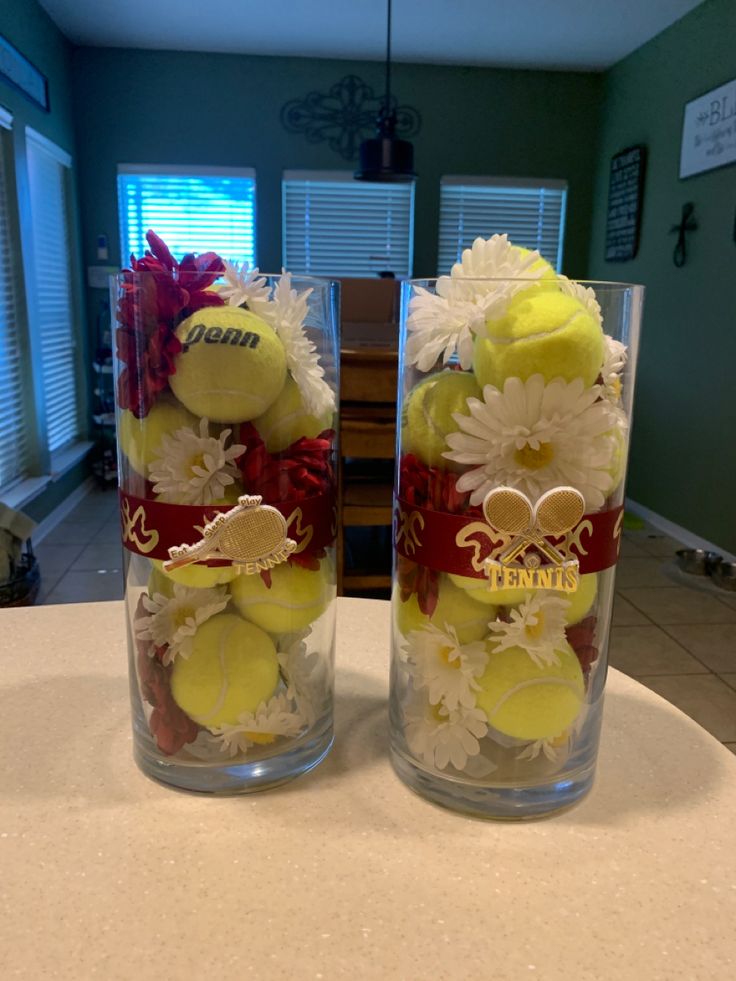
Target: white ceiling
564 34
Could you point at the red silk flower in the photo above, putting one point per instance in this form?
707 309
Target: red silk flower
148 312
303 469
431 488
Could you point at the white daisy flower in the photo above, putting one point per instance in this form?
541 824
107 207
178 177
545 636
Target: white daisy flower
614 360
585 294
439 662
480 286
303 673
174 620
194 469
538 626
536 436
496 258
272 719
242 286
286 312
440 737
552 749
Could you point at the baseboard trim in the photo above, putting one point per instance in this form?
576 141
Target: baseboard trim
676 531
62 510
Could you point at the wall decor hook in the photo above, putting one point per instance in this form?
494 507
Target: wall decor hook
687 224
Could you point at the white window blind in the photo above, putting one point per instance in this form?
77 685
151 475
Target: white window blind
334 225
530 212
193 209
52 263
13 442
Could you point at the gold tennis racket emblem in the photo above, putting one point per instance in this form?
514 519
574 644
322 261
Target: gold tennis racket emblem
252 535
510 512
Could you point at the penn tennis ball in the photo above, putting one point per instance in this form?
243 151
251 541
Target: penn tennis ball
232 365
525 701
580 601
454 608
195 576
542 332
287 420
233 667
296 597
427 416
140 439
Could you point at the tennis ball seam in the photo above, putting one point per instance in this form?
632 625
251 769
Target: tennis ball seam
533 683
203 720
281 603
542 334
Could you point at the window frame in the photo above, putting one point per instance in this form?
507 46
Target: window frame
42 467
534 183
346 177
185 170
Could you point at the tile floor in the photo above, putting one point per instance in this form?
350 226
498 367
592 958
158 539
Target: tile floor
677 639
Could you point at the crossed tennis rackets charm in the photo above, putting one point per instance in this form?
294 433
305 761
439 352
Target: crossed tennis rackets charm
509 511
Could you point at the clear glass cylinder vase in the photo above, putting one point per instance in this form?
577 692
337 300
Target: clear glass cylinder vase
515 399
226 391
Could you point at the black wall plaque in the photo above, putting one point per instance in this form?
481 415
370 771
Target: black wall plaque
625 188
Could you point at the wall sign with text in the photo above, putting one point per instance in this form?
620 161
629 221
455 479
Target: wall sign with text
625 189
709 131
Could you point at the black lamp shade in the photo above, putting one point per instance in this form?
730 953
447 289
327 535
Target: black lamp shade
386 158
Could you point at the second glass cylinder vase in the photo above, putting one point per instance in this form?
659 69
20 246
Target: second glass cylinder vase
515 400
226 389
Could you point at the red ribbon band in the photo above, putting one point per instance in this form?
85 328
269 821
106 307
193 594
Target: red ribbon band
151 528
457 544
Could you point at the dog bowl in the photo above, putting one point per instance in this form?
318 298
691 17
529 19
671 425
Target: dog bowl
697 561
724 575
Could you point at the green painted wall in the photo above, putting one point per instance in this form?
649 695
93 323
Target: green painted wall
683 456
27 26
170 107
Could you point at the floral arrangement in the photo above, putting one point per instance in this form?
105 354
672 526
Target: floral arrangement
510 381
222 393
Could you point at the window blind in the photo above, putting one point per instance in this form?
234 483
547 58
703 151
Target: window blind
531 213
334 225
13 442
47 173
191 209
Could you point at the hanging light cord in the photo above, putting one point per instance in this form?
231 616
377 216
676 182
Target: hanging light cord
388 62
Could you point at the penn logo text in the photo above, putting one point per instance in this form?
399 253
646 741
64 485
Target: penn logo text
216 335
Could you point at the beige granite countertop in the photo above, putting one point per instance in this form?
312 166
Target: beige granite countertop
343 873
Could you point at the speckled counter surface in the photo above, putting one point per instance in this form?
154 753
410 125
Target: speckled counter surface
343 873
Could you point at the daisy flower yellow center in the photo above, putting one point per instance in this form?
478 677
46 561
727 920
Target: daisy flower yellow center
434 711
181 615
196 461
533 459
445 654
536 630
262 738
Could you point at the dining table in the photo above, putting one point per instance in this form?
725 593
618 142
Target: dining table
343 872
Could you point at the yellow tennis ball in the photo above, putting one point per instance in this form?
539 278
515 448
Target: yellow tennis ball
580 601
427 415
232 365
296 597
526 701
233 667
542 332
287 420
140 439
454 608
619 449
195 576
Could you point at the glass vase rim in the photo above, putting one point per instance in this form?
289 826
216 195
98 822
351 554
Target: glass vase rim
299 277
592 283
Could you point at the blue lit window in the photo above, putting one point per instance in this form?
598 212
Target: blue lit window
193 209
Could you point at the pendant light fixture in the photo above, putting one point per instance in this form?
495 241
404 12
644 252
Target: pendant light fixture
386 158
